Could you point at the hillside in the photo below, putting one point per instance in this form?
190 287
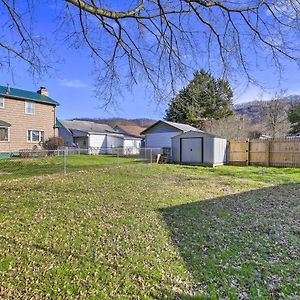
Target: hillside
252 109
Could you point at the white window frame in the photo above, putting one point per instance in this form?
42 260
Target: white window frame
41 134
8 134
2 100
27 106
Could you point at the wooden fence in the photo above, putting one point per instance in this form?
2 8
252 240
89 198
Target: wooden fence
277 153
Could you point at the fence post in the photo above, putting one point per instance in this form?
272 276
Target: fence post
248 153
65 162
228 153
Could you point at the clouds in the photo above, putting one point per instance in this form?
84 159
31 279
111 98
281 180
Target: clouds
76 83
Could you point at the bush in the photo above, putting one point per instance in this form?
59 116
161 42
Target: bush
53 143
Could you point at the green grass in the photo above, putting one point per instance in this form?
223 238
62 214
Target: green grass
141 231
16 168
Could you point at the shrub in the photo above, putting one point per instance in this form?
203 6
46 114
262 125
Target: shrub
53 143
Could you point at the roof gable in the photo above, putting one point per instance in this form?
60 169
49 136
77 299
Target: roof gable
177 126
26 95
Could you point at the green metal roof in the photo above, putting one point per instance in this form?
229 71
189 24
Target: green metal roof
26 95
57 123
4 124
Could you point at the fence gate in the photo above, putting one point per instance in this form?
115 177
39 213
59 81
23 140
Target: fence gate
238 153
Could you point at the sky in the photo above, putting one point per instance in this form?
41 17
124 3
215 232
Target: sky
72 84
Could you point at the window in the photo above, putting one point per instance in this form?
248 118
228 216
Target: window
3 134
35 136
1 102
30 108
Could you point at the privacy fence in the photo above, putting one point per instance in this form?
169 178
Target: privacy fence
24 163
276 153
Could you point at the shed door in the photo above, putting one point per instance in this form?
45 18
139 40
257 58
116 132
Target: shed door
191 150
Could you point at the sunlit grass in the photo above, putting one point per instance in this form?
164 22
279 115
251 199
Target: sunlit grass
130 231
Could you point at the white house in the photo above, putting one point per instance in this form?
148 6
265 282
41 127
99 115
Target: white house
97 138
160 134
132 138
198 147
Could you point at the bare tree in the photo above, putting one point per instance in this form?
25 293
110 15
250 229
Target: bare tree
274 118
159 40
232 127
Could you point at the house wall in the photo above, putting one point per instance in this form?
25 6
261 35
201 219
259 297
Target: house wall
14 113
66 135
115 141
159 140
97 140
132 146
213 148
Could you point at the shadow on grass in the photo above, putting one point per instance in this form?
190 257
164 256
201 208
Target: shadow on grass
241 246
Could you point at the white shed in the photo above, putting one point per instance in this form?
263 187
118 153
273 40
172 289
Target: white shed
198 147
159 135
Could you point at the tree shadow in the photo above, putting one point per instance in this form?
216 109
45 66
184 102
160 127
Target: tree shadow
241 246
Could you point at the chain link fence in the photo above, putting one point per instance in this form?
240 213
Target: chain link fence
24 163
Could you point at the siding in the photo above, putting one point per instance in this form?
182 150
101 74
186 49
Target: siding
14 113
114 141
97 141
66 135
220 149
162 128
159 140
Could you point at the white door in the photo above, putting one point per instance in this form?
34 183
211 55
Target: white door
191 150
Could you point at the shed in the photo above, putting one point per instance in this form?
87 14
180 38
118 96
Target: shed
199 148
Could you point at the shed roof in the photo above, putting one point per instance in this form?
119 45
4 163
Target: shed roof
26 95
196 131
179 126
88 126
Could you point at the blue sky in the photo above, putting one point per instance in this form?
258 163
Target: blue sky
72 84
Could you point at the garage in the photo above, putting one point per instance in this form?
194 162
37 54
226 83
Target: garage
199 148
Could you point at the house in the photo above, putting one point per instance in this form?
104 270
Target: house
159 135
198 147
133 140
97 138
26 118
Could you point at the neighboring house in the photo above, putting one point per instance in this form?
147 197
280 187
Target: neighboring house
132 137
98 138
159 135
26 118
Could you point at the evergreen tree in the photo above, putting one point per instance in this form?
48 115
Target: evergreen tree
203 98
294 118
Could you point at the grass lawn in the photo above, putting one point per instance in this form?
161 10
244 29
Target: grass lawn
16 168
141 231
